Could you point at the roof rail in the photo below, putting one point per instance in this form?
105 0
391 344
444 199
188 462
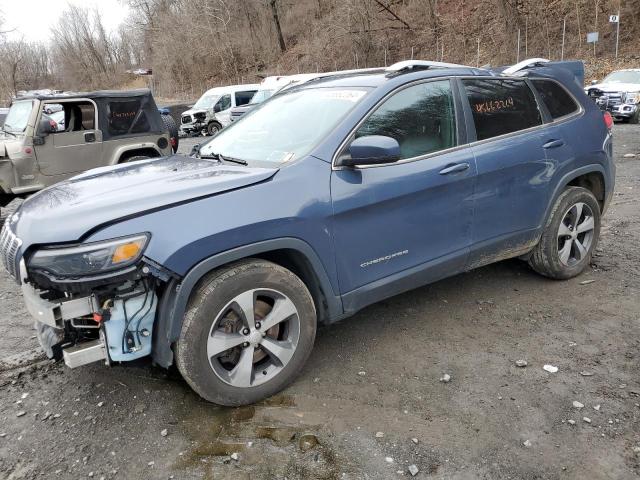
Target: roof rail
420 65
528 63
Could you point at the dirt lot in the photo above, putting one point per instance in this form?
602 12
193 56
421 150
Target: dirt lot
370 394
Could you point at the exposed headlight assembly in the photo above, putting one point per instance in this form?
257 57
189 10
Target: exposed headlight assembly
632 97
90 258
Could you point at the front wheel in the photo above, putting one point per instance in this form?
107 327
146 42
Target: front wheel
570 235
248 330
213 128
635 118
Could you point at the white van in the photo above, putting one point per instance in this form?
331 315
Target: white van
211 113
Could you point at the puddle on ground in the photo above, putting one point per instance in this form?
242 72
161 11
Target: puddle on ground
281 435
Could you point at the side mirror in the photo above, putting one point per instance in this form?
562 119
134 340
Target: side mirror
46 126
371 150
195 150
593 82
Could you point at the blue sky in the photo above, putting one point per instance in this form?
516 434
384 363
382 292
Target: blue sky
33 19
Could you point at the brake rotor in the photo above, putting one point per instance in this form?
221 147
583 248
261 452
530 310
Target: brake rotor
232 323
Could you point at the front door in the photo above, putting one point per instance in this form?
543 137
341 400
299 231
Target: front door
77 146
405 223
222 110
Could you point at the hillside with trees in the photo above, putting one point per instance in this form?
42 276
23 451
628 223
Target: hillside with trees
194 44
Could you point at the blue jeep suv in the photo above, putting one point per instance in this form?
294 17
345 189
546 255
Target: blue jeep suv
322 200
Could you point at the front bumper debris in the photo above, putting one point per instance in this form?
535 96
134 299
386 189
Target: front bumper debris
55 313
85 353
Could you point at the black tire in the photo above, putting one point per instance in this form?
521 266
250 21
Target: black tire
209 302
213 128
546 256
10 209
635 118
172 127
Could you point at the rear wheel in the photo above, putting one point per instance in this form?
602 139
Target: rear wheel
248 331
134 158
570 235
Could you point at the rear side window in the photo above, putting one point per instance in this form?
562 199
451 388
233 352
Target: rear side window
501 106
125 116
421 118
556 98
242 98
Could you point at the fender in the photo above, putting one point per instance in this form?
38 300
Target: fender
173 303
573 174
117 154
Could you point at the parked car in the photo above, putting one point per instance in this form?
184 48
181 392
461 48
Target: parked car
99 128
619 94
272 85
212 112
268 87
52 108
3 115
331 196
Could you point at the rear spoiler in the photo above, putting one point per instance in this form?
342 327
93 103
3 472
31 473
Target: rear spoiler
561 69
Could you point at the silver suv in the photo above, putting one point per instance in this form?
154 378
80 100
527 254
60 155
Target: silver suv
99 128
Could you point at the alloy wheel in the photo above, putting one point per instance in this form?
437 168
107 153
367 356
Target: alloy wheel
575 234
253 338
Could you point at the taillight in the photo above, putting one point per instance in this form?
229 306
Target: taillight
608 120
173 141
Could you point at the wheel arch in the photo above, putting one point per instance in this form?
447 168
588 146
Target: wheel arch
122 153
589 177
291 253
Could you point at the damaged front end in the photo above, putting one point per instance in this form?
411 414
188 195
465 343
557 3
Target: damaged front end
91 302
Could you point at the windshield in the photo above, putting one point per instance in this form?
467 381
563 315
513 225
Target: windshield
206 101
261 95
286 127
623 77
18 116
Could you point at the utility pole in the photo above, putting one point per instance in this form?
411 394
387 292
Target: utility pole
618 31
564 28
478 54
518 48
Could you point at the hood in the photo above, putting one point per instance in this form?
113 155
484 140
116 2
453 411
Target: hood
68 210
9 145
191 111
616 87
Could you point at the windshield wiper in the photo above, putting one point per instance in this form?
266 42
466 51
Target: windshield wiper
221 158
7 131
234 160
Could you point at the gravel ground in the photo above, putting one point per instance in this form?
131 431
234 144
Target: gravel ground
371 395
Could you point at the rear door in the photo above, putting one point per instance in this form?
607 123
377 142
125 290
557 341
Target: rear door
513 171
76 148
401 224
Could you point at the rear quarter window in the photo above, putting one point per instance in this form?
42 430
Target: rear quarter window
125 116
501 106
556 98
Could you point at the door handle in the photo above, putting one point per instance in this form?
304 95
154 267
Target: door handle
89 137
553 144
458 167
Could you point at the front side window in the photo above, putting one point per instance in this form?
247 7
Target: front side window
557 99
223 103
501 106
18 116
286 127
421 118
